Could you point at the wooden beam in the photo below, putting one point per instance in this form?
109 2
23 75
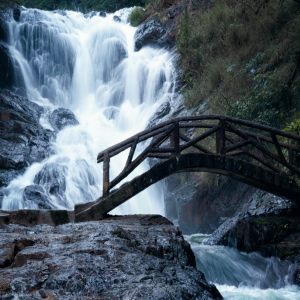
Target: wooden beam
197 146
106 175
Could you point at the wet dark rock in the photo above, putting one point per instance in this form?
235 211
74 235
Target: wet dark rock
117 19
163 110
91 14
153 33
34 195
52 178
95 13
61 118
16 14
267 224
22 139
140 257
3 30
9 75
102 13
61 12
200 207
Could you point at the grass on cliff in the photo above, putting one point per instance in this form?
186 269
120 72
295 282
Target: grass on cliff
242 59
137 16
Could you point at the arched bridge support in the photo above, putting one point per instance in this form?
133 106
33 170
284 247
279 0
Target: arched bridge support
246 172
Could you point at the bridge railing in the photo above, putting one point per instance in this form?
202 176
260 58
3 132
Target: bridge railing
231 136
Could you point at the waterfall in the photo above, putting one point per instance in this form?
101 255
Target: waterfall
88 64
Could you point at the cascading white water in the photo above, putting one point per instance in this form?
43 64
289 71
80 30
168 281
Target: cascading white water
88 65
241 276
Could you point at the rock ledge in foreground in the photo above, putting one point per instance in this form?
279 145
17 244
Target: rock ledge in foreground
123 257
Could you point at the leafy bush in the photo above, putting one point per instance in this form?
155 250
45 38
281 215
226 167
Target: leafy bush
137 16
220 66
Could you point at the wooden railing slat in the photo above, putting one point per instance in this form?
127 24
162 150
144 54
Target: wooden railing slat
199 138
197 146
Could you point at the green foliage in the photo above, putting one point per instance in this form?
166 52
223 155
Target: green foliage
82 5
294 128
185 31
137 16
269 101
240 62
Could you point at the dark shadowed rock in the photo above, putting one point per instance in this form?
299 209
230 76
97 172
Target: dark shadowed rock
61 12
6 67
22 139
10 73
102 13
117 19
16 14
127 257
34 195
3 30
52 177
152 33
61 118
202 207
90 15
268 224
163 110
260 205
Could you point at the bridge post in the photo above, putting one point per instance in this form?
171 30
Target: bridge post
220 138
106 174
174 139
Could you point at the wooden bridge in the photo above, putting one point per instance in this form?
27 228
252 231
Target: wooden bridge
259 155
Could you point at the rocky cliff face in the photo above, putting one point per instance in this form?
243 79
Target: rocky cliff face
130 257
23 141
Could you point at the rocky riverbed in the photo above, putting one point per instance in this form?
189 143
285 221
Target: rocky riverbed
124 257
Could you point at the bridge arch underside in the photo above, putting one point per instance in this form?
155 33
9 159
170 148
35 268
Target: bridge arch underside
246 172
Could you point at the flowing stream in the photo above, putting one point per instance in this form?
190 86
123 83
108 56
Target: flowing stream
241 276
88 65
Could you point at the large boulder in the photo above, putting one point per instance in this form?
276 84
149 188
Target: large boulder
153 33
117 19
35 196
102 13
264 220
61 118
53 178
